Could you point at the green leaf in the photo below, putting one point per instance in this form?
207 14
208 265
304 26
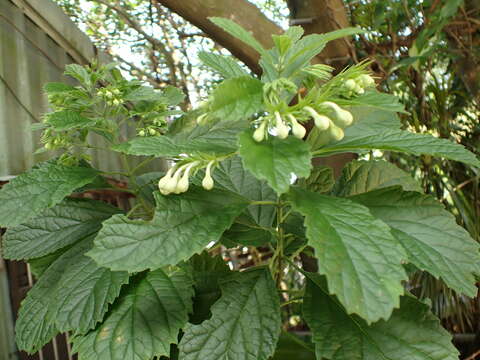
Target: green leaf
182 226
404 141
247 235
143 322
57 87
83 295
226 66
73 294
364 176
357 253
245 322
207 272
55 228
300 54
375 133
169 96
35 326
430 235
68 120
412 332
219 138
38 266
238 32
230 175
275 160
321 180
376 100
237 99
40 188
78 72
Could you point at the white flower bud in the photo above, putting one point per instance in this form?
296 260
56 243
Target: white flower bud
322 122
183 183
164 180
259 133
341 117
366 80
116 91
141 133
350 84
108 94
359 90
207 181
281 128
336 133
297 130
116 102
152 131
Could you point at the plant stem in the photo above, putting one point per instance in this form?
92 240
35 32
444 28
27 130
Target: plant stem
264 202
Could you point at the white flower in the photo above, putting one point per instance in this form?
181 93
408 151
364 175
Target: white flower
162 184
336 133
207 181
280 127
183 183
341 117
322 122
297 130
259 133
366 80
350 84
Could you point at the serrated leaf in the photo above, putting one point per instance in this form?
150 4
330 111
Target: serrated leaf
245 322
412 332
55 228
321 179
78 72
143 322
237 99
72 294
230 175
34 326
226 66
57 87
238 32
357 253
275 160
370 134
363 176
246 233
218 138
182 226
300 54
40 188
376 100
207 272
83 295
38 266
429 234
169 95
67 120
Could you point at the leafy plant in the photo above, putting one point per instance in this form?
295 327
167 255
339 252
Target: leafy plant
147 284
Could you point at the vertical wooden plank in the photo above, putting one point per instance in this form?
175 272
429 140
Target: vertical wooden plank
7 339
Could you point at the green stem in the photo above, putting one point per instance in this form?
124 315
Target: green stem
293 301
264 202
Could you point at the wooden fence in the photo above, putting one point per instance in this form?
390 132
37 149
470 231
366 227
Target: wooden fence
37 40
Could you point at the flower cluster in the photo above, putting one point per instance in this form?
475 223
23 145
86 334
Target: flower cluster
112 96
327 116
176 180
357 85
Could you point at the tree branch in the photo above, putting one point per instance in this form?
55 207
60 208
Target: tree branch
241 11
